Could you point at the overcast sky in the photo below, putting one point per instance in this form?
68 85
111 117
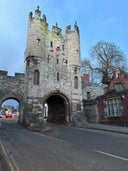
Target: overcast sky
97 20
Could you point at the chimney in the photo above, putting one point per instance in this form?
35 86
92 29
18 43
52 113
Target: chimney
85 77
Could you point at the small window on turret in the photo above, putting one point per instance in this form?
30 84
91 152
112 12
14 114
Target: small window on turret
76 82
36 77
58 76
51 44
62 47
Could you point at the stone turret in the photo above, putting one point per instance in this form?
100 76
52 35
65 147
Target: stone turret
37 28
73 44
73 51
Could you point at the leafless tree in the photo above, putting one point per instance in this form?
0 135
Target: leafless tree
104 58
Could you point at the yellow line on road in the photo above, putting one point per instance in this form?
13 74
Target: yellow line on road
12 164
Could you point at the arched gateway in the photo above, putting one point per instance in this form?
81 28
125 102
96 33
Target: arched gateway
52 74
58 108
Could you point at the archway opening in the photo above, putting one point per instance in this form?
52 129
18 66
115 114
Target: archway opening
55 109
10 108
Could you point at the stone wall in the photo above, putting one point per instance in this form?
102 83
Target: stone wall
12 87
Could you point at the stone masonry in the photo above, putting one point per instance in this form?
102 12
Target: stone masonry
52 74
12 87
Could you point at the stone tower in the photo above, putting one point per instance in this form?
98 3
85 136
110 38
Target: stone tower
52 72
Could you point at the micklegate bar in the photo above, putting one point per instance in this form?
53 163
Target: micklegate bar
51 85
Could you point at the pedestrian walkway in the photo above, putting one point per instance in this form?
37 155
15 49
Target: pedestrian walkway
109 128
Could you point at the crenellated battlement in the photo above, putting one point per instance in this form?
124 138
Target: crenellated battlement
4 73
37 15
55 28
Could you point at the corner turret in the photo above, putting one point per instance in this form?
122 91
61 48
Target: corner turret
37 12
73 41
57 30
76 28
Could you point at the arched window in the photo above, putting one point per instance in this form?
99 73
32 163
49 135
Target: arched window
36 77
76 82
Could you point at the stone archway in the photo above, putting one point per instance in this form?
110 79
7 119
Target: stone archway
18 100
58 108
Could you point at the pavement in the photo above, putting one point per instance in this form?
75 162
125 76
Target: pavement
110 128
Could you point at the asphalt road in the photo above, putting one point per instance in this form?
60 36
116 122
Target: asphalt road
64 148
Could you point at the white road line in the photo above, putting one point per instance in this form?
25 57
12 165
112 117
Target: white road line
10 162
52 138
111 155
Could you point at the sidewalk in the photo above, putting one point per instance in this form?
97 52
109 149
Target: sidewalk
109 128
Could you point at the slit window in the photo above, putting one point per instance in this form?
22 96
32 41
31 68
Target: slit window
62 47
51 44
58 76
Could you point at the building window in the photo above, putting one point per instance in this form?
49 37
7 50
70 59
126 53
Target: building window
113 107
119 87
62 47
76 82
57 61
58 76
51 44
36 77
88 95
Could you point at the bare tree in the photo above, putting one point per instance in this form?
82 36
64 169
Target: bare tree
87 67
105 57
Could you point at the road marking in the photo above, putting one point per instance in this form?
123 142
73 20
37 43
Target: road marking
52 138
11 162
111 155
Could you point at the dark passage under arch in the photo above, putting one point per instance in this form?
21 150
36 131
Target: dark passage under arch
56 109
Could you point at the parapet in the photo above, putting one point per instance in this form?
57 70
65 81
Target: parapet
76 28
19 74
2 72
56 30
37 15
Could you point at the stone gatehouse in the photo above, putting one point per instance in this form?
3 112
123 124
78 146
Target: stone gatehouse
52 74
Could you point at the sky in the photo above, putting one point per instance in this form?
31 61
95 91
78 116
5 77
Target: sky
98 20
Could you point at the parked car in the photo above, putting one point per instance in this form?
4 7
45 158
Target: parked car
8 115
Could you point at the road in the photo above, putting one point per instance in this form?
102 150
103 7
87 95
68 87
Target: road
64 148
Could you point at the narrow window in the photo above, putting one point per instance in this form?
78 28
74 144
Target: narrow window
76 82
88 95
62 47
48 58
58 76
51 44
36 77
57 61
